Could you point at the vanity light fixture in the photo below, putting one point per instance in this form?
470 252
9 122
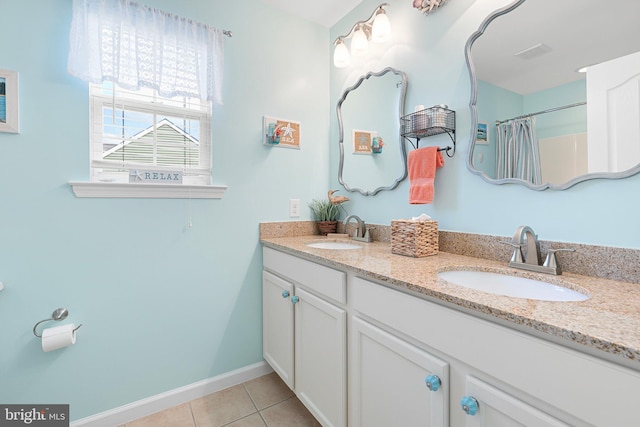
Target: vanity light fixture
360 42
377 29
341 55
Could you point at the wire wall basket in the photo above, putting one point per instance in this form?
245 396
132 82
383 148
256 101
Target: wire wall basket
428 122
431 121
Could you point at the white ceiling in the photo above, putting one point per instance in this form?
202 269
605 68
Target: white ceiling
323 12
578 32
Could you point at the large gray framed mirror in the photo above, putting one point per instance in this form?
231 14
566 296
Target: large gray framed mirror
557 126
369 109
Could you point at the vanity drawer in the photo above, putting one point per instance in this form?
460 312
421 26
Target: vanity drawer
317 278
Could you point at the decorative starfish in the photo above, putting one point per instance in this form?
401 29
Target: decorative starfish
288 130
430 5
137 174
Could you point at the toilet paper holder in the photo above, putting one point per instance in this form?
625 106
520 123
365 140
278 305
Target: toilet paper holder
58 314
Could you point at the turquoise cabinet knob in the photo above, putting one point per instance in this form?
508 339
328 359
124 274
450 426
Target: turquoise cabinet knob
285 294
469 405
433 382
295 299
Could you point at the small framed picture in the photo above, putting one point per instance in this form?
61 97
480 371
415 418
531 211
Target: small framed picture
362 141
9 119
482 136
281 132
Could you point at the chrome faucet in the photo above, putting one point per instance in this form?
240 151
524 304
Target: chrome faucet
362 232
532 256
531 259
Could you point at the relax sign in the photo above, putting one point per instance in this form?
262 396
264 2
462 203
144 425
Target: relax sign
155 177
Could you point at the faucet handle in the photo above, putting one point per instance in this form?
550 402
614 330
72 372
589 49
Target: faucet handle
356 232
551 261
517 253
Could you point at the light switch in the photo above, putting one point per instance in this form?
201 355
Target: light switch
294 208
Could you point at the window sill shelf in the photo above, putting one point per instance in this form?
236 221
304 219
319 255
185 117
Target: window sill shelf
147 191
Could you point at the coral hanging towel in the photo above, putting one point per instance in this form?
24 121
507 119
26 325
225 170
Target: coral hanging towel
422 171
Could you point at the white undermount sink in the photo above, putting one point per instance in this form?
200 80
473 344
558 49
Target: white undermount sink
333 245
512 286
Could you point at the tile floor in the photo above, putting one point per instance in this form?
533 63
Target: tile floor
262 402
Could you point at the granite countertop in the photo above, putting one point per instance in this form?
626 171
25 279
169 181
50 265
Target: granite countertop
609 321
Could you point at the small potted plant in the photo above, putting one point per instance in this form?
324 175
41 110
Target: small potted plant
326 214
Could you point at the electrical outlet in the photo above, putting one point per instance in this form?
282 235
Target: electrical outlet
294 208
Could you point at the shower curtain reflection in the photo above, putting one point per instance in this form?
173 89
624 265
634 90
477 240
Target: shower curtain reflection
518 151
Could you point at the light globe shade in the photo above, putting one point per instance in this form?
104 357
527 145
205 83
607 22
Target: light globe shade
359 42
381 31
341 55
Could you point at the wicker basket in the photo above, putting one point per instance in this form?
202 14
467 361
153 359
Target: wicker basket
414 238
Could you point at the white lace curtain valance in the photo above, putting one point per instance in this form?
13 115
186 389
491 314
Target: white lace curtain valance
137 46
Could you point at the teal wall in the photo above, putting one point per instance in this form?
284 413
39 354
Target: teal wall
430 49
163 305
562 122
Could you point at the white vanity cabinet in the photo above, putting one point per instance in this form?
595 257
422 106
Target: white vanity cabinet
393 383
277 325
515 378
304 332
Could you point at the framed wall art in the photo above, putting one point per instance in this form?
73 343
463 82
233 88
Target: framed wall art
9 112
362 140
281 132
482 136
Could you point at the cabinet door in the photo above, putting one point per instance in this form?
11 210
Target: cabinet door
320 358
495 408
387 384
277 325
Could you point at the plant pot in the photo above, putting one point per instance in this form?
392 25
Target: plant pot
327 227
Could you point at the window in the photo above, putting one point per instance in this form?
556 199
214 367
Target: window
133 131
130 53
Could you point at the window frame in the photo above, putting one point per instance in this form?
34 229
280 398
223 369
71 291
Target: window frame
105 184
153 105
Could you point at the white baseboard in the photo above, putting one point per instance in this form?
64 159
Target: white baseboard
162 401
